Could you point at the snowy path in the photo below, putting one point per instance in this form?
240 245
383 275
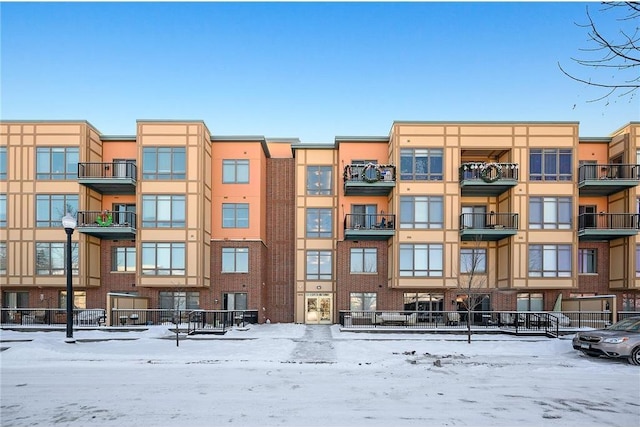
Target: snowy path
315 346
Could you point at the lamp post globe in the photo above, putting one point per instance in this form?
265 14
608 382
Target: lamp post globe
69 224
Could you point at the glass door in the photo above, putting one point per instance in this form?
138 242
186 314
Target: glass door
318 309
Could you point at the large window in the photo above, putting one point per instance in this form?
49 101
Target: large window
550 164
473 261
50 208
363 301
529 302
550 212
235 215
79 299
420 301
235 301
235 171
57 163
631 302
163 163
235 260
421 260
15 299
587 261
179 300
3 163
319 180
421 212
163 211
3 210
123 259
319 222
421 164
364 260
319 265
3 258
163 259
550 261
51 258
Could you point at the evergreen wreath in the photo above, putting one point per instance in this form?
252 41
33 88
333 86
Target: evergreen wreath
486 174
376 176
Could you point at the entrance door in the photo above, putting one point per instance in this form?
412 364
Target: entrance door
318 309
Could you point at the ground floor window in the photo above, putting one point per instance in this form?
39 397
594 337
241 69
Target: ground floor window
234 301
530 302
79 299
14 299
363 301
179 300
423 301
473 301
630 302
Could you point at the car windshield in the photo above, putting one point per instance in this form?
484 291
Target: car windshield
631 324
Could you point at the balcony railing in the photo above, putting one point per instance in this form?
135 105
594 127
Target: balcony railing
607 226
487 179
489 226
108 177
369 226
371 179
108 224
606 179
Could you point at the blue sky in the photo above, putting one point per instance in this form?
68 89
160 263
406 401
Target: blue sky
306 70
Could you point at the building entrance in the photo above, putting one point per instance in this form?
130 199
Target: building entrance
318 309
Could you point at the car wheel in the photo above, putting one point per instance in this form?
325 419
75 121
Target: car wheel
634 359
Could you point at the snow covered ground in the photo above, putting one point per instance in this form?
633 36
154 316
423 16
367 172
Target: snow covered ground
297 375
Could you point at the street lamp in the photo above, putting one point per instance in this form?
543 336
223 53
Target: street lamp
69 224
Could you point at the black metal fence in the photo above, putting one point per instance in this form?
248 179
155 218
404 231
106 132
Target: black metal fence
52 316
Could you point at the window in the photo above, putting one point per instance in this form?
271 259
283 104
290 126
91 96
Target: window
79 299
550 164
421 260
319 180
57 163
529 302
319 265
549 260
3 163
50 208
164 163
421 164
163 211
179 300
423 301
363 301
3 210
235 260
421 212
234 301
235 215
3 258
235 171
15 299
550 213
123 259
587 261
319 222
51 258
364 260
637 260
630 302
163 259
473 261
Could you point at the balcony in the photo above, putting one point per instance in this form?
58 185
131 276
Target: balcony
606 179
490 226
607 226
369 226
108 224
369 180
108 177
487 179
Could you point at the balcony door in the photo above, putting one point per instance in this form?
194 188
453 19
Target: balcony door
120 168
120 216
364 216
474 216
588 216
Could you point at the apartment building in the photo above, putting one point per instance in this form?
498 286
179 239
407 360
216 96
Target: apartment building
435 214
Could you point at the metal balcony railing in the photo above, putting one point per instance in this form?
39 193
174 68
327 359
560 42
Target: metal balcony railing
369 221
488 172
107 170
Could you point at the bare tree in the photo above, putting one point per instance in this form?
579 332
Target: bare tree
472 281
612 58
